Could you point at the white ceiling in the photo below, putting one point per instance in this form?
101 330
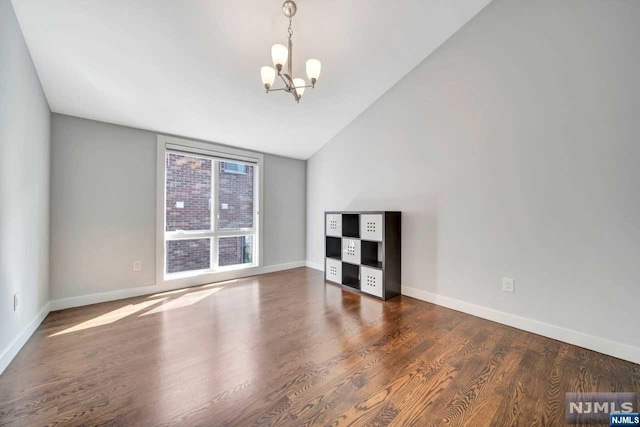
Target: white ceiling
192 68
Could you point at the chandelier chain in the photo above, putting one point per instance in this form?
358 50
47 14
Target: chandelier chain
290 30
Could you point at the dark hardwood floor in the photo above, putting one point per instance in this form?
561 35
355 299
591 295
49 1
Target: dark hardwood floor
286 349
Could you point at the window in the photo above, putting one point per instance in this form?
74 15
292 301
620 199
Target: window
235 250
235 195
208 210
230 167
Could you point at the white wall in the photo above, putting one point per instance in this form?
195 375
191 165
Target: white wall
512 151
103 207
24 189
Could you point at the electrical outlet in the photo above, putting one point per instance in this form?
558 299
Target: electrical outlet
137 265
15 302
508 285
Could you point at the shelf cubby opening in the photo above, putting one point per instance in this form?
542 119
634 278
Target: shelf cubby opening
371 253
351 275
351 225
333 247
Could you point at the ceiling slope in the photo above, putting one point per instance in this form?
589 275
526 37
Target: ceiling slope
192 68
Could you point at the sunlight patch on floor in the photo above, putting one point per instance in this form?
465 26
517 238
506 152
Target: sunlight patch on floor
177 291
194 288
182 301
110 317
213 285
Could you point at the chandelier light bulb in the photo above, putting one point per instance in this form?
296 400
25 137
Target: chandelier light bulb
313 70
299 85
279 54
268 76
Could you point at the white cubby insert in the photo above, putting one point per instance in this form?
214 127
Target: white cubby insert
371 227
334 270
351 250
371 281
334 225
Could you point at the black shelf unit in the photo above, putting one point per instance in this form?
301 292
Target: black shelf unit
362 252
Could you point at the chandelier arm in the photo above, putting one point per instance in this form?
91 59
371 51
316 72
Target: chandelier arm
287 82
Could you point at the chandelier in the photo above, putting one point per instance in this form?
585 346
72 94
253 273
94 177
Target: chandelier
282 56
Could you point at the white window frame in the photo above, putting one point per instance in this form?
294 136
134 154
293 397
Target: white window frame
216 153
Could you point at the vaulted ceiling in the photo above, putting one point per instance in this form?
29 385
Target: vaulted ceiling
192 67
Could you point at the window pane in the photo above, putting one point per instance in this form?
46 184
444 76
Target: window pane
187 255
234 167
188 193
235 250
235 191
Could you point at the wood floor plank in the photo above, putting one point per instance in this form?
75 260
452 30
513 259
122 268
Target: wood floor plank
471 366
287 349
407 345
355 389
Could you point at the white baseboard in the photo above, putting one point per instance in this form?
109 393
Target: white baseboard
281 267
315 265
581 339
10 352
64 303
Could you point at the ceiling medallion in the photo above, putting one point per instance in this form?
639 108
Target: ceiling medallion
282 56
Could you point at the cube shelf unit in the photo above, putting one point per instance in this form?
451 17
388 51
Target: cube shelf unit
362 252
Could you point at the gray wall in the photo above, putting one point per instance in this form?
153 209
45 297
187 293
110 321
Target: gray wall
103 207
284 210
24 183
512 151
